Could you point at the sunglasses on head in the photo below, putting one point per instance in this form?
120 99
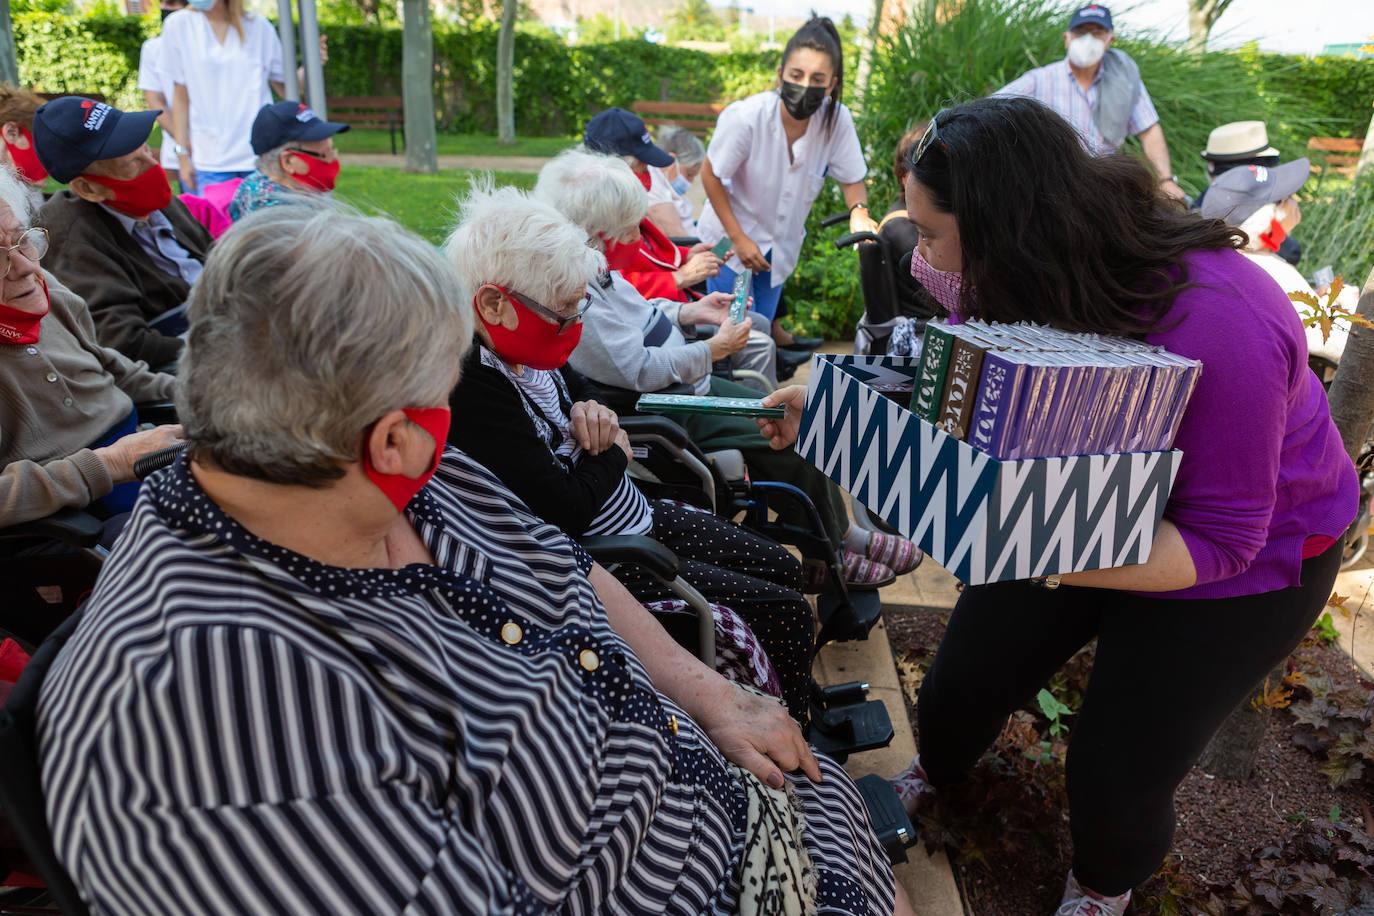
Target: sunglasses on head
928 140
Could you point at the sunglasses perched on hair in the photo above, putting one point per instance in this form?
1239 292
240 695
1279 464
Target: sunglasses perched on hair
927 140
563 321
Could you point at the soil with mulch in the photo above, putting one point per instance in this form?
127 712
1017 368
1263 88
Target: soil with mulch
1009 838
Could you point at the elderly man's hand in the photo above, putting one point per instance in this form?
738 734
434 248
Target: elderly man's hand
119 456
756 733
712 308
699 267
730 338
593 425
1171 189
782 431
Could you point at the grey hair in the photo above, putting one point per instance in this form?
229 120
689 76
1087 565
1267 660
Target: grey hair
269 163
683 144
596 191
309 323
14 195
506 237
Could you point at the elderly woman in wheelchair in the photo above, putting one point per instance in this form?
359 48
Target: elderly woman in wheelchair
543 430
334 666
630 342
68 426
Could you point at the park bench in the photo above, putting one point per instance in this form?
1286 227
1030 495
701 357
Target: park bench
698 117
1338 154
371 111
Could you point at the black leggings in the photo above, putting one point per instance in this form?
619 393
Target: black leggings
752 576
1167 674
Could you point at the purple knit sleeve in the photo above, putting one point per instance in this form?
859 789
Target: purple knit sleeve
1232 432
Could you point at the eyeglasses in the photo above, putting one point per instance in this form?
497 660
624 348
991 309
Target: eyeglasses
927 140
32 244
563 321
322 157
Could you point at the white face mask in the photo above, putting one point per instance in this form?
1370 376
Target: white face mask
1086 50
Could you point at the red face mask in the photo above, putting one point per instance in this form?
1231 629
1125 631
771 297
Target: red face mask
319 175
26 160
535 342
399 488
645 179
139 196
621 257
18 327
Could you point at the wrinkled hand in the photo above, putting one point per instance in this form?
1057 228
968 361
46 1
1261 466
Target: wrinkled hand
699 267
730 338
750 256
1171 189
756 733
594 426
697 249
120 455
622 439
712 308
781 432
860 221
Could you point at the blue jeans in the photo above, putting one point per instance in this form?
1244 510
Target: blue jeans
766 295
208 178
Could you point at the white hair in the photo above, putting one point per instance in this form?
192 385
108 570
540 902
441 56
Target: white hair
309 323
685 146
506 237
14 195
269 163
596 191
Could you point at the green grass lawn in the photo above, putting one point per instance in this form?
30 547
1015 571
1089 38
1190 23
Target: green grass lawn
377 141
422 203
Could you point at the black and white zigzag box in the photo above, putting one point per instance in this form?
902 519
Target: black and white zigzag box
982 519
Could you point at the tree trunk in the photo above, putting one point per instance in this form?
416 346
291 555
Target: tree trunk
417 87
1366 163
505 74
1202 15
870 45
1233 749
1352 390
9 58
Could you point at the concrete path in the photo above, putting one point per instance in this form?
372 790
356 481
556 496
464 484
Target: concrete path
446 163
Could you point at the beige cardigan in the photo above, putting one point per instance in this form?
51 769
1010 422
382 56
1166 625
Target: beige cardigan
57 396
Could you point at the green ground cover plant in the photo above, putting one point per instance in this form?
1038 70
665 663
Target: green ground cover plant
379 142
422 203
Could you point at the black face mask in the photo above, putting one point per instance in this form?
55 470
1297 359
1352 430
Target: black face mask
166 13
801 101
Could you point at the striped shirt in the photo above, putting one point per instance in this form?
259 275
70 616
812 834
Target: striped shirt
237 728
547 401
1055 86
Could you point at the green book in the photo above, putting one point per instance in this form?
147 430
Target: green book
927 396
692 403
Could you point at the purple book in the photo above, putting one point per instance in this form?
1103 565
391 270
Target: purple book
999 391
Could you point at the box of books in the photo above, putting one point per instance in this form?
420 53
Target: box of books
1006 451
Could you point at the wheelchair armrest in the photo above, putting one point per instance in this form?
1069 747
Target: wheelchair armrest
854 238
655 424
632 548
156 461
158 412
686 241
623 400
75 527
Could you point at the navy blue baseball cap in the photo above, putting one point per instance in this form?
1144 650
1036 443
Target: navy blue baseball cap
1092 14
618 131
71 132
281 122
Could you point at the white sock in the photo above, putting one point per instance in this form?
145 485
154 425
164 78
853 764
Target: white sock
856 539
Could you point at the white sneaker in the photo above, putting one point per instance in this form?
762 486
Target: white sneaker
910 784
1079 901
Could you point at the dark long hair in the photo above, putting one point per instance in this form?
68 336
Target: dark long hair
1051 234
820 34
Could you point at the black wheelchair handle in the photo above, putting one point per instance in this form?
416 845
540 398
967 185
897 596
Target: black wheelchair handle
835 220
156 461
855 238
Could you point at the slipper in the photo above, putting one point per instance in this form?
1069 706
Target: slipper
910 784
896 553
859 572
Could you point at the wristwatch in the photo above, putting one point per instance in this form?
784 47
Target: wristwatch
181 150
1173 178
1051 581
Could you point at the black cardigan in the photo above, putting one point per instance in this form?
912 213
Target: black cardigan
490 424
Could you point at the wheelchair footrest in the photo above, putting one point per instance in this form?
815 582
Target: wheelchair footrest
847 617
839 731
890 821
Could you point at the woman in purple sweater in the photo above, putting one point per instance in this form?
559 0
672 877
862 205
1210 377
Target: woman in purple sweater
1034 229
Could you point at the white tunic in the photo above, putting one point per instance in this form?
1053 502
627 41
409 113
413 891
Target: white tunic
771 196
152 78
227 83
661 192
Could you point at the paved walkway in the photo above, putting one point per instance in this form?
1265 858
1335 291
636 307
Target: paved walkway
446 163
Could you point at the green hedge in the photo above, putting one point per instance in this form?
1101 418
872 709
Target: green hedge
92 54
